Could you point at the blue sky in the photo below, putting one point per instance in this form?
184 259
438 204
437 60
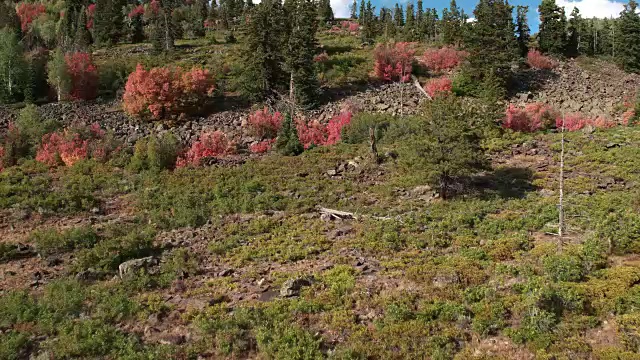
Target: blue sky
588 8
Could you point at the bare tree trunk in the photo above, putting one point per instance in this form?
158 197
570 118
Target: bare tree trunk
372 143
166 32
292 95
401 92
561 205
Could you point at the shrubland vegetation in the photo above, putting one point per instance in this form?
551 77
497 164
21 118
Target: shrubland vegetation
449 247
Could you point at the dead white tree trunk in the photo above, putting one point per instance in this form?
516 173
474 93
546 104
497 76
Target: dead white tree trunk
560 204
416 83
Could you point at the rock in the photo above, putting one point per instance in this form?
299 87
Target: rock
546 193
444 280
89 275
132 266
171 339
382 107
45 355
292 287
332 172
225 272
54 261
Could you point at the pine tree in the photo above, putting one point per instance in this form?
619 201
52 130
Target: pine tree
82 38
552 36
627 39
288 142
573 43
302 48
8 17
449 143
492 44
419 12
325 12
410 23
361 12
398 16
12 65
452 24
368 22
265 39
522 29
198 13
354 10
108 21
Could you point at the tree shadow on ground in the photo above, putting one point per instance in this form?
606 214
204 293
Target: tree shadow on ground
532 80
505 183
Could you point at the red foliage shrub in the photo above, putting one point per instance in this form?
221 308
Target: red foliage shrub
262 146
627 117
533 117
162 91
394 62
321 58
536 60
334 127
210 144
438 86
313 133
91 12
27 12
71 145
136 11
446 58
265 125
84 76
577 121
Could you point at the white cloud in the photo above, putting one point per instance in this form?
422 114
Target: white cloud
341 8
593 8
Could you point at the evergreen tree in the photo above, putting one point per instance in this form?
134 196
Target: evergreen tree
398 16
410 23
199 12
573 43
492 44
587 31
522 29
68 24
301 51
361 12
627 39
288 142
82 38
325 12
452 24
386 21
448 144
108 21
354 10
552 36
419 12
368 21
8 17
265 38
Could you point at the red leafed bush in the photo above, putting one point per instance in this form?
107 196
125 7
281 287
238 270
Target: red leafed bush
438 86
627 117
394 62
321 58
577 121
136 11
91 12
265 125
536 60
84 76
210 144
446 58
334 127
27 12
262 146
71 145
163 91
533 117
313 133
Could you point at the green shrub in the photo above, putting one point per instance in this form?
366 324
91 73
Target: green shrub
340 280
112 76
288 342
17 307
116 247
629 327
489 317
155 153
51 241
13 345
622 231
33 127
91 339
564 267
357 131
